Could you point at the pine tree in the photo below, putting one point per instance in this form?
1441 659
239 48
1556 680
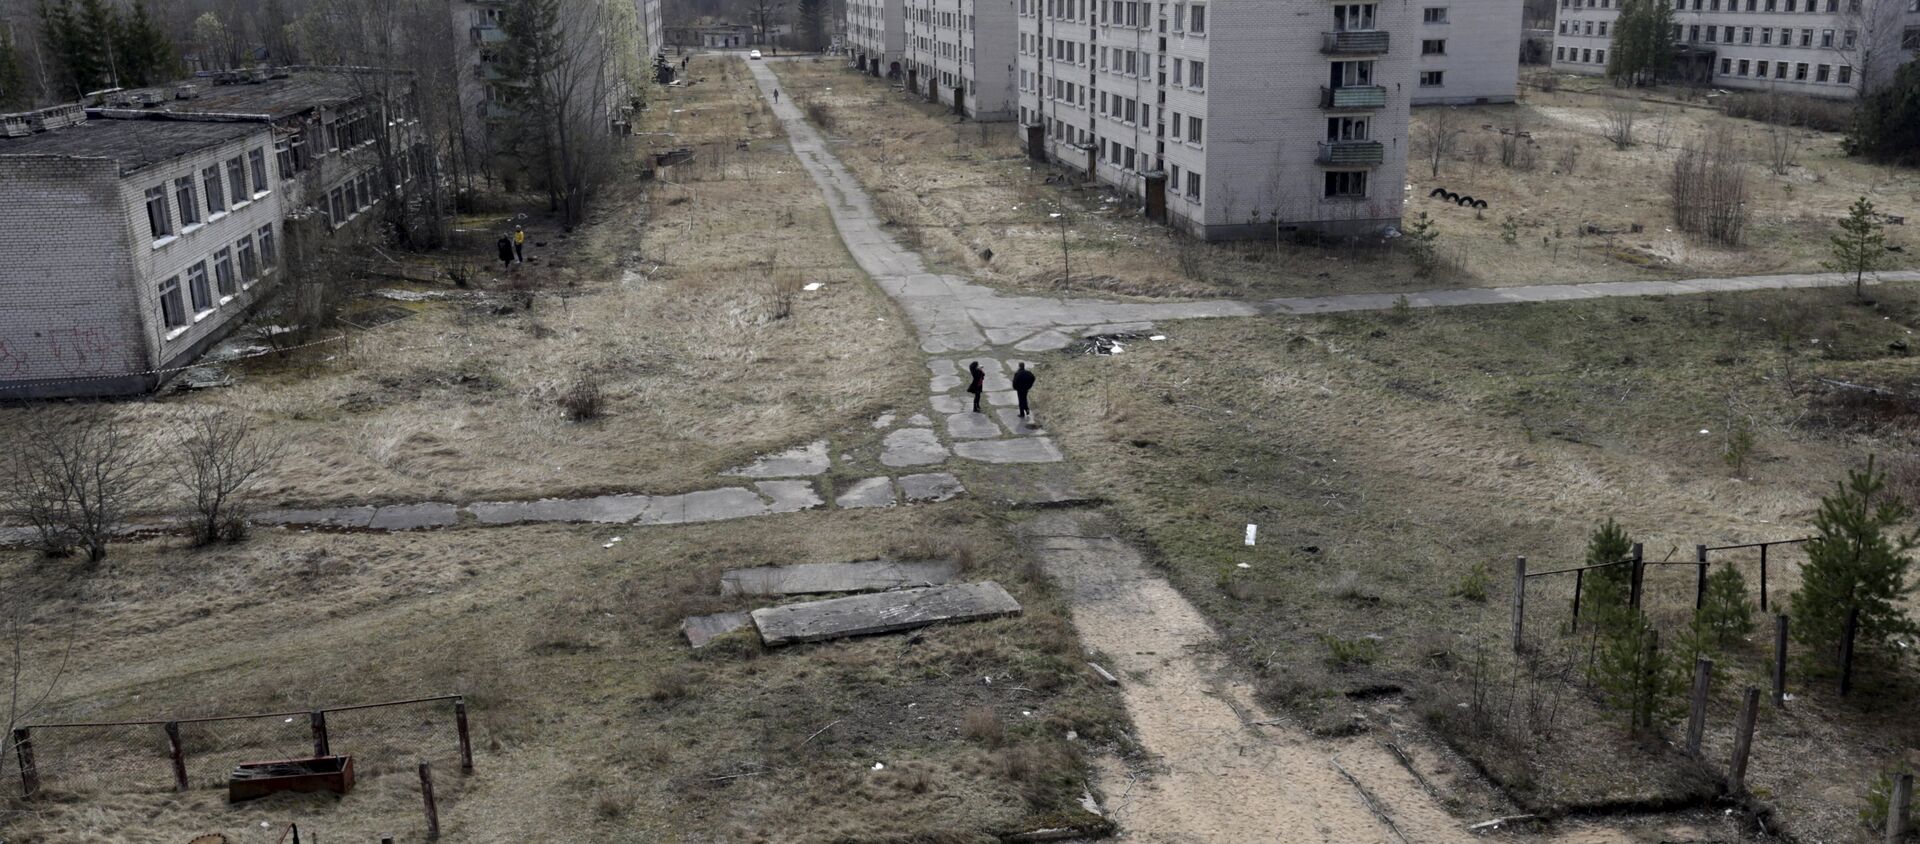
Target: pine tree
146 54
13 78
1608 591
813 24
1886 125
1855 561
1641 48
1725 615
100 35
1860 247
73 63
1636 676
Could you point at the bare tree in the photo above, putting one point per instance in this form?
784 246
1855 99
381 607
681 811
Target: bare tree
222 459
1516 146
1782 142
1440 129
27 690
1622 112
562 57
1709 188
1871 41
74 476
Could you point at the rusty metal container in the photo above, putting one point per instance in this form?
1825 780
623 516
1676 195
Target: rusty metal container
253 780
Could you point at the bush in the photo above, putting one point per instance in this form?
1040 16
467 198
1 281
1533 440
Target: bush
1636 676
1725 616
1473 585
1348 653
583 401
1789 110
1709 189
983 725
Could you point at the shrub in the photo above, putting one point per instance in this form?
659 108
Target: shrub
1725 616
1473 585
583 401
1349 653
983 725
1880 801
1709 189
1636 676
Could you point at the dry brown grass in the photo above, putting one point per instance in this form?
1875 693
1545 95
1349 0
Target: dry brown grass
663 299
1387 458
956 189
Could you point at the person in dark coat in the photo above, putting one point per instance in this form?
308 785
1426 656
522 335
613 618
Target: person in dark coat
506 252
978 385
1022 383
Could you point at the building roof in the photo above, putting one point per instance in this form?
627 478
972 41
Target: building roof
135 144
275 98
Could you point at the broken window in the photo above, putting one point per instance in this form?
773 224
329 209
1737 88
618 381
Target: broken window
173 312
158 220
197 291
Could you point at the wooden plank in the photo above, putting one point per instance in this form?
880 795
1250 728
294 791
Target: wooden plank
701 629
820 578
883 612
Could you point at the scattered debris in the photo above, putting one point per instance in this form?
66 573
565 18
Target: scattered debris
1105 676
885 612
812 286
1106 344
821 578
1496 822
1252 531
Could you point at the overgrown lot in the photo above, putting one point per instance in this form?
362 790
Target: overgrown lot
682 305
1568 204
1397 462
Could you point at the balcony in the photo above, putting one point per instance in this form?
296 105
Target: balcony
1353 96
1352 153
1357 42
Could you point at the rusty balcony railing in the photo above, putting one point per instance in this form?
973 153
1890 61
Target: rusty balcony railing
1360 42
1353 96
1352 153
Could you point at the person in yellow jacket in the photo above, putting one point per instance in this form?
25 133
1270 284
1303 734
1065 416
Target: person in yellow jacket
519 245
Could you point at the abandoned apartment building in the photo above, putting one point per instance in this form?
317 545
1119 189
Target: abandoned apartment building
1818 48
960 53
876 36
161 216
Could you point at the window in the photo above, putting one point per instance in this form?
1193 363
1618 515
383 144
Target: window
1199 24
188 203
1693 34
1745 67
1806 38
1354 17
249 262
352 197
1853 37
1197 74
1746 35
1766 35
216 195
1846 75
269 255
1713 34
1726 67
1589 27
197 291
1779 70
1346 185
339 205
237 179
1194 126
1760 68
1178 64
1176 125
1823 73
1193 186
173 312
1433 47
1800 72
1350 74
158 220
1559 54
1432 78
1600 57
1586 55
1909 38
1436 14
223 270
1346 128
259 160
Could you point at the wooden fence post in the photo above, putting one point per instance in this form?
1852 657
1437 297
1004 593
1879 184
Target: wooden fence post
23 753
466 739
178 754
426 794
1519 601
1700 582
1579 583
318 718
1846 650
1743 742
1898 805
1780 660
1639 565
1763 578
1697 709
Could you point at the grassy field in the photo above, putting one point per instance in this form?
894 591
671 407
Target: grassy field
1396 463
593 720
683 303
957 189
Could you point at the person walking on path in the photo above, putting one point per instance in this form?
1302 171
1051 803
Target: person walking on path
1022 384
776 95
506 252
978 385
519 245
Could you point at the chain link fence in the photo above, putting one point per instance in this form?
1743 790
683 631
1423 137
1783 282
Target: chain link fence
189 753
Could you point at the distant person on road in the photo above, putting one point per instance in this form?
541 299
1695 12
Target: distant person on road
978 385
1022 383
506 253
776 95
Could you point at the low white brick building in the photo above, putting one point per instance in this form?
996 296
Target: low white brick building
960 53
150 239
876 37
1469 52
1230 118
1820 48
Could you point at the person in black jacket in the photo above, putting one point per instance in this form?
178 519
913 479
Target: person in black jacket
1022 383
506 252
978 385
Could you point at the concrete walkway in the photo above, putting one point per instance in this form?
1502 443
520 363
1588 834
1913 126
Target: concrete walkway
957 315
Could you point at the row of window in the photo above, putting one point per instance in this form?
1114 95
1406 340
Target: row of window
1187 17
220 188
254 258
1828 38
1191 73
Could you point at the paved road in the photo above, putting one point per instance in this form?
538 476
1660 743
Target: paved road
956 315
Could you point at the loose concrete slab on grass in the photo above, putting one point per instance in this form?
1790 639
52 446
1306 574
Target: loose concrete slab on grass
809 459
820 578
710 505
913 447
1010 417
971 426
865 493
612 509
1023 450
702 629
884 612
930 487
790 496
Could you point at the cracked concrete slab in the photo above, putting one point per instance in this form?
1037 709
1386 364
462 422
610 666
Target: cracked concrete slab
809 459
972 426
709 505
950 404
912 447
605 509
1023 450
930 487
867 493
1010 417
790 496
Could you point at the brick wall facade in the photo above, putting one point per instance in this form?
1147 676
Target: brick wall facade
1479 58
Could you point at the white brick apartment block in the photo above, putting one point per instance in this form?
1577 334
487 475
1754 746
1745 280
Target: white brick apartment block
1821 48
1228 118
960 52
876 37
1469 52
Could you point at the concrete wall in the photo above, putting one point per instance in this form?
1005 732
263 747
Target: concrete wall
876 29
1481 63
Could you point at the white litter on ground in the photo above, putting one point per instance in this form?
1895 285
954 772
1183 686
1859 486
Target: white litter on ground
1252 530
813 285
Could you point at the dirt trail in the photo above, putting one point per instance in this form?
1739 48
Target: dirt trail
1227 771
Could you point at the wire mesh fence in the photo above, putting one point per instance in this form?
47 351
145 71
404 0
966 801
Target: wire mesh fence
133 756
